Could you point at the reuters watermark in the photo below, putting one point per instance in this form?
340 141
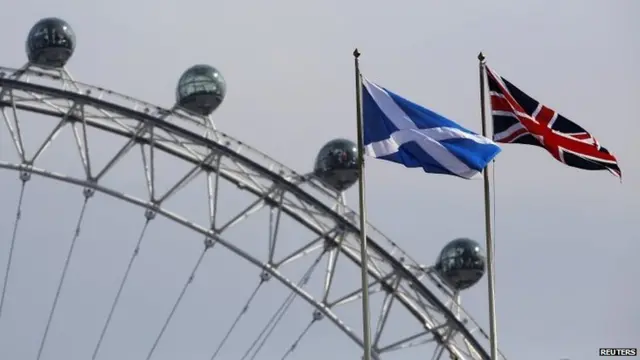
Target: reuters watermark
618 352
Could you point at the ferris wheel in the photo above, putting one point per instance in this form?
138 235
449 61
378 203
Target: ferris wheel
274 237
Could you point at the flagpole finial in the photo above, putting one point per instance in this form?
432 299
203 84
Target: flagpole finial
481 57
356 53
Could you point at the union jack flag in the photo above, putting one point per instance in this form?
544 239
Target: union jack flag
520 119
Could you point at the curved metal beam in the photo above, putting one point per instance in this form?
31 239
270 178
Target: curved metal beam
276 178
205 232
168 150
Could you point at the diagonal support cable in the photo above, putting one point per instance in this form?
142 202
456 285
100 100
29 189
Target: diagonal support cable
297 342
208 245
24 177
149 216
88 193
279 314
237 320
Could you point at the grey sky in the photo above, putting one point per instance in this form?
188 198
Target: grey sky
566 241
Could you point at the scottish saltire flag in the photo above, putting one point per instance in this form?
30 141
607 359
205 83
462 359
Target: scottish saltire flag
398 130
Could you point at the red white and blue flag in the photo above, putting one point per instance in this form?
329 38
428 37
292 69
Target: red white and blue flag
520 119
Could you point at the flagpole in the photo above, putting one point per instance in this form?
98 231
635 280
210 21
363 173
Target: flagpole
364 263
493 333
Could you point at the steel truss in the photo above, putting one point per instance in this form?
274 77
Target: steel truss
215 155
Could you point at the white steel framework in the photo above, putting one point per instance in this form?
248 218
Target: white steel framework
215 156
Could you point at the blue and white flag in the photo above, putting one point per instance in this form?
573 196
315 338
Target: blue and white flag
398 130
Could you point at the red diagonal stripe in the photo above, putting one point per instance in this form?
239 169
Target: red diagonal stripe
545 115
552 141
499 103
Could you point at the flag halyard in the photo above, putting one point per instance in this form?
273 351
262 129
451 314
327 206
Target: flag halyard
520 119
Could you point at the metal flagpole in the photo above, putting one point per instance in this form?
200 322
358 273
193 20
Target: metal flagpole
364 261
493 336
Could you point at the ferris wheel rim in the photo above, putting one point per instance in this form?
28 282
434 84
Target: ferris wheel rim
214 146
188 224
182 115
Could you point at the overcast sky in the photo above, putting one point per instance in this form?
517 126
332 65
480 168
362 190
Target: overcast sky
566 240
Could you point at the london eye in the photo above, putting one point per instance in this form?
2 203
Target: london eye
108 177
